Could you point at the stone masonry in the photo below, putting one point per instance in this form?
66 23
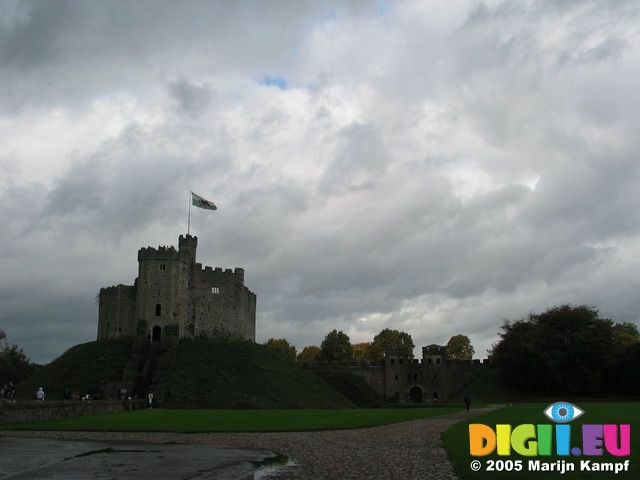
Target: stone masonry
176 297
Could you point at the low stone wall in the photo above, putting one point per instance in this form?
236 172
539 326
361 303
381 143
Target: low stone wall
11 412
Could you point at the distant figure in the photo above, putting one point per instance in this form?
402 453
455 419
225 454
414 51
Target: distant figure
12 391
40 394
467 402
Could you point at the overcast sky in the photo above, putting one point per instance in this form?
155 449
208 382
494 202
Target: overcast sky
428 166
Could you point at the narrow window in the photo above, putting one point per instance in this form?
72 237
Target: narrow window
415 376
390 361
163 266
435 376
215 290
158 310
400 361
396 377
429 360
438 360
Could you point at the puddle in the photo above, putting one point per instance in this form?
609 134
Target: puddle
270 465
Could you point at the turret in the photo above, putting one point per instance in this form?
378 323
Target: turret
187 245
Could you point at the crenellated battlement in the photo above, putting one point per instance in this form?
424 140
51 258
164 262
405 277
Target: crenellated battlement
235 275
116 288
160 253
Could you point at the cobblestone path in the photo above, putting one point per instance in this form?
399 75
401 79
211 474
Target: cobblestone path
401 451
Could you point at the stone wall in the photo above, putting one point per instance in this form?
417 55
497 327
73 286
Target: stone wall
11 412
117 312
220 304
431 381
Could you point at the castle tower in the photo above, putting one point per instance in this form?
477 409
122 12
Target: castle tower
187 245
176 297
162 292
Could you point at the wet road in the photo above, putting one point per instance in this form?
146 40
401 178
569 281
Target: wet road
45 459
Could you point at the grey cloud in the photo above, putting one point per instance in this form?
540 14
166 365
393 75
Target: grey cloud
190 98
365 228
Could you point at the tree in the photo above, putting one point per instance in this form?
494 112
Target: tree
366 352
393 341
15 366
336 347
309 354
459 348
283 346
564 350
626 334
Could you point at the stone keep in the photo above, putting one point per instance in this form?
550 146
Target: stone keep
174 296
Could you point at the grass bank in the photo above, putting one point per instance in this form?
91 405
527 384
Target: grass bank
212 373
196 421
83 368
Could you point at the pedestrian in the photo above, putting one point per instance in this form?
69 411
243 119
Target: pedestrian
467 402
12 391
3 391
40 394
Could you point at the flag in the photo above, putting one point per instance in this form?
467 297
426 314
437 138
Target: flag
198 201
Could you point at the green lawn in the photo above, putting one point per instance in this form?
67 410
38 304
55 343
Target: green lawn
192 421
456 440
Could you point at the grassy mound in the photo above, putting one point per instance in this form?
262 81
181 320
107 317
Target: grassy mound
353 387
82 369
211 373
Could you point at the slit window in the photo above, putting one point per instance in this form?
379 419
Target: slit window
163 266
215 290
158 310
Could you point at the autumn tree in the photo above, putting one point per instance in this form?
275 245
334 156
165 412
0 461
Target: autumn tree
625 335
309 354
336 346
459 348
366 352
283 346
393 341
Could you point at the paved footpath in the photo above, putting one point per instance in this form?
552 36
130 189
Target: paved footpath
401 451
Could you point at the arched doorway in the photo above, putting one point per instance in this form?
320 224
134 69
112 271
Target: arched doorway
415 394
156 334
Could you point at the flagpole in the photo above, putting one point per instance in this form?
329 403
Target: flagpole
189 216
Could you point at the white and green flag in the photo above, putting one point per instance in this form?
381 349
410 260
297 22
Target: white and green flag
198 201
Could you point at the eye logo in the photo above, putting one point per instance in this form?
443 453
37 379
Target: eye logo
562 412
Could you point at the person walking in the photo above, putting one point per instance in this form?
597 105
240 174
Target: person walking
40 394
467 402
